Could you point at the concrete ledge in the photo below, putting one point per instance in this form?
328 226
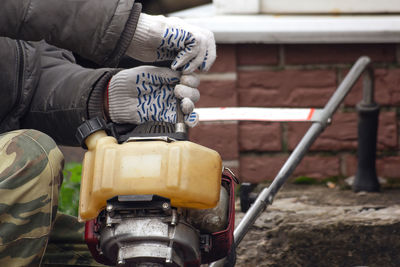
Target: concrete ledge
295 28
318 226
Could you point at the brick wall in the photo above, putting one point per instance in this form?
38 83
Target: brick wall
298 76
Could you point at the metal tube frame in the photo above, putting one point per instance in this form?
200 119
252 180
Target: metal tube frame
267 195
368 87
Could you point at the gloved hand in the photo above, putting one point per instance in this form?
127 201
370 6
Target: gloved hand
158 38
147 93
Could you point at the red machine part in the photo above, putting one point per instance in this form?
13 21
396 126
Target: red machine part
91 227
221 242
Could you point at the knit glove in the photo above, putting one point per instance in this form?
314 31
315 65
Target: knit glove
150 93
158 38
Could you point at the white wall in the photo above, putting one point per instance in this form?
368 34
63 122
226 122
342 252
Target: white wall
306 6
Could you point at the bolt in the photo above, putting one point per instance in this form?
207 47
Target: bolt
215 220
109 207
121 262
165 206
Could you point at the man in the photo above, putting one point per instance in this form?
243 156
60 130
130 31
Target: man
44 90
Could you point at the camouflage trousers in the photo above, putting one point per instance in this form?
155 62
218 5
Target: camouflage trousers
30 177
31 234
67 245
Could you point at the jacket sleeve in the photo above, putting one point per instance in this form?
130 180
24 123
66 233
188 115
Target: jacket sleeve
66 95
98 30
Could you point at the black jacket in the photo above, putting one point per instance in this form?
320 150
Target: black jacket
41 86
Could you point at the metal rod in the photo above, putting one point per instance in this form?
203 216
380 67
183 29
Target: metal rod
266 197
180 126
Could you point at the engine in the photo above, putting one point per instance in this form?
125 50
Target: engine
150 199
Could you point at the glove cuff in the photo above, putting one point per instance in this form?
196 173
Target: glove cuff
122 106
147 38
95 105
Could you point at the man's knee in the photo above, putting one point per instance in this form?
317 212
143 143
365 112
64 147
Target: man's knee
30 176
30 169
28 154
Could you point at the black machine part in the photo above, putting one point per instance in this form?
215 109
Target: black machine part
247 196
154 129
89 127
123 132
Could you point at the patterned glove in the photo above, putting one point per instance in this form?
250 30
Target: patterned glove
158 38
147 94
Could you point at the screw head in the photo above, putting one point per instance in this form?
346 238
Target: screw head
165 206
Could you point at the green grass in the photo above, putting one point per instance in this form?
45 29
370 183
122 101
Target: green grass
305 180
68 201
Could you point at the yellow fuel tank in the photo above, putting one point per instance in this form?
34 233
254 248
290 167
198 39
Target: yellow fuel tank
186 173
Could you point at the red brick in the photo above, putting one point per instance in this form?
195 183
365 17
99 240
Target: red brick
262 168
217 94
318 167
260 137
338 53
387 88
256 169
387 167
221 137
226 59
356 93
387 130
291 88
257 54
342 134
350 165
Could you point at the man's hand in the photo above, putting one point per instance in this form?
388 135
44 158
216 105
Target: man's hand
158 38
150 93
